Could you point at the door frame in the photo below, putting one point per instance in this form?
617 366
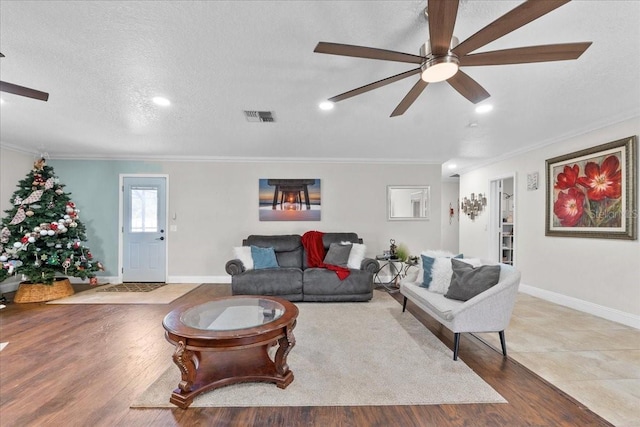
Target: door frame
495 215
121 178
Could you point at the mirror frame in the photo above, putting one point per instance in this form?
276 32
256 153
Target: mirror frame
426 201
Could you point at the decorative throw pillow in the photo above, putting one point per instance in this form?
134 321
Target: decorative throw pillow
429 261
338 254
427 265
442 272
356 255
243 253
263 258
467 281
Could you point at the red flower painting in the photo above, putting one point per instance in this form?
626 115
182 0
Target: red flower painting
569 207
592 199
602 181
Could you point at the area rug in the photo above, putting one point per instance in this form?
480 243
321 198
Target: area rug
132 287
351 354
161 295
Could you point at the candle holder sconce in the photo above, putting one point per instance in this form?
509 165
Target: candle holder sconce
473 205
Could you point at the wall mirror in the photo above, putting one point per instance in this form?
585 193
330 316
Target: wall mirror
408 202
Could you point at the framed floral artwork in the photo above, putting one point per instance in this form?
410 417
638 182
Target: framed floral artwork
592 192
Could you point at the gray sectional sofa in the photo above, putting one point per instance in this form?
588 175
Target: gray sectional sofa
293 280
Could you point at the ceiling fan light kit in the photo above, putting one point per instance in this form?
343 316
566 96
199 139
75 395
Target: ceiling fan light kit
441 57
438 68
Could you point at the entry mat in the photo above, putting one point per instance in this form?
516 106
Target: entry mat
132 287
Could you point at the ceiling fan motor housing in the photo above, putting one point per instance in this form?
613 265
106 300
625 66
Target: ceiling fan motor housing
438 68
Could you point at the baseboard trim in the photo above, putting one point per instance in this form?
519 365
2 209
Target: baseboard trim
612 314
199 279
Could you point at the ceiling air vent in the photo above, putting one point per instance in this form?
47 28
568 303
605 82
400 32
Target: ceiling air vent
259 116
455 175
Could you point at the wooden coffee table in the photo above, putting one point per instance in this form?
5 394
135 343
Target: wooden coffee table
227 341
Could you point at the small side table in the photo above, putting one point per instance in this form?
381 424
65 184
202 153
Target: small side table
396 269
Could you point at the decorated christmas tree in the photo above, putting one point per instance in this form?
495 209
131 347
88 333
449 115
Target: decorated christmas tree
42 236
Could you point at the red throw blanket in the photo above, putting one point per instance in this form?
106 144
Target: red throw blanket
312 242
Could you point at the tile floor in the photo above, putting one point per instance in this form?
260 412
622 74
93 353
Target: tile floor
594 360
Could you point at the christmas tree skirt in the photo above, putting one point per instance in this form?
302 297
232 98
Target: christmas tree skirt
38 292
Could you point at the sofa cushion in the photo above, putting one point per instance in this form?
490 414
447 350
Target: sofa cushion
243 253
338 254
288 248
281 282
433 276
442 272
320 281
467 281
329 238
263 258
356 256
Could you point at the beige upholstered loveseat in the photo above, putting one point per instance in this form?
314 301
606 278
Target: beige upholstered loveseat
489 311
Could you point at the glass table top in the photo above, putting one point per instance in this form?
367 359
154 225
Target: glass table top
231 314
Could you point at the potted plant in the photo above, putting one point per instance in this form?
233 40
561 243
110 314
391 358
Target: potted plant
42 239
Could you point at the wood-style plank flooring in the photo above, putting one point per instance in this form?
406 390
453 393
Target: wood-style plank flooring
83 365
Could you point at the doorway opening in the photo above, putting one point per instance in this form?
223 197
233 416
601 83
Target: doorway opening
502 223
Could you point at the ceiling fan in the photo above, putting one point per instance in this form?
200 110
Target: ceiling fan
441 57
21 90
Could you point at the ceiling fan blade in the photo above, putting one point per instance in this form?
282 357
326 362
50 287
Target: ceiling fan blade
23 91
523 55
442 19
409 98
374 85
367 52
516 18
468 87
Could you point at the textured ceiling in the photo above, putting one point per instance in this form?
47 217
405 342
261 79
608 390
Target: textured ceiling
102 61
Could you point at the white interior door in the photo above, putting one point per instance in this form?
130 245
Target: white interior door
144 229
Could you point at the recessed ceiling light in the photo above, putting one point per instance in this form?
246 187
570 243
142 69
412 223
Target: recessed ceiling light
452 166
158 100
326 105
484 108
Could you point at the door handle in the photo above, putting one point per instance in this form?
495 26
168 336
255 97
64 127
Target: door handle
160 238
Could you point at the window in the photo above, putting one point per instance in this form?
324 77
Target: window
144 210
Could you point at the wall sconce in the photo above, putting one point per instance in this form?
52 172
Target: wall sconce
473 205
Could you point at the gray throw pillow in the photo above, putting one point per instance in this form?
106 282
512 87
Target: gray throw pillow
338 254
467 281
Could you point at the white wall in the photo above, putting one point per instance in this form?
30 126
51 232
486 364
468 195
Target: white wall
14 167
601 276
216 206
450 228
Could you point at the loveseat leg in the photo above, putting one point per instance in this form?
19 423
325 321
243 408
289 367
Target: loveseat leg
404 304
456 343
503 343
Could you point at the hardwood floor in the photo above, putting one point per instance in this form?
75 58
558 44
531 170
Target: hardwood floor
82 365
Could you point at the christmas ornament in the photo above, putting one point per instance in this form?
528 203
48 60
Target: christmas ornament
31 239
29 213
43 232
51 233
17 245
3 258
59 191
4 235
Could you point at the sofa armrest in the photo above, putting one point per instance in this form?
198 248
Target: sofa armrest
371 265
490 310
233 267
